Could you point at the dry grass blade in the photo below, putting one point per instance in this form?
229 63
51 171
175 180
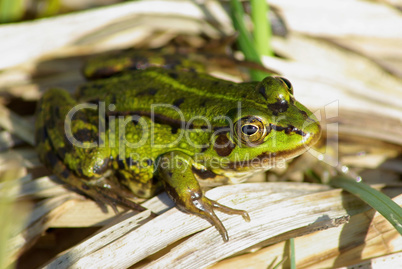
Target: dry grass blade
43 187
109 28
366 235
16 125
37 223
97 243
272 215
174 225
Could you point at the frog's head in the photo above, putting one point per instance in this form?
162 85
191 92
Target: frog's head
268 128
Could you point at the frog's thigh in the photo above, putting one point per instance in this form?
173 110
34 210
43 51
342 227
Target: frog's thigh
53 147
175 171
68 130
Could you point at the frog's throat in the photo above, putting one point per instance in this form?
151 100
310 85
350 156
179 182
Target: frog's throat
267 160
263 161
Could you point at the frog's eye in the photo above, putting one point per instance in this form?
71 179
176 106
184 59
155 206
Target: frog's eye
251 131
287 83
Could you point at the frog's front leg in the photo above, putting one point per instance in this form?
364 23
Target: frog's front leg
175 170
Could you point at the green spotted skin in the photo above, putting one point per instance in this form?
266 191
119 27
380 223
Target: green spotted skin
150 128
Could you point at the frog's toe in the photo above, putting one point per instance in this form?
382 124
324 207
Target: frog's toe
230 211
107 196
208 213
103 197
204 207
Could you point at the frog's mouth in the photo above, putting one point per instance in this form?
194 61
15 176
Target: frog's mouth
267 160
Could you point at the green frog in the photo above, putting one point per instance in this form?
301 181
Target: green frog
146 123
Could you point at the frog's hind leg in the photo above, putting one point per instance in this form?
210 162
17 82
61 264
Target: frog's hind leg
175 170
53 147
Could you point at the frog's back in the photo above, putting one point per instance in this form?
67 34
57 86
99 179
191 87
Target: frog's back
178 95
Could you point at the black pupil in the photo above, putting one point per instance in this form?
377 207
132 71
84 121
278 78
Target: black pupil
249 129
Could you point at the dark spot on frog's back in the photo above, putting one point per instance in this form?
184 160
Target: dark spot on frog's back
103 72
173 75
79 116
112 102
174 130
134 120
178 102
149 162
261 91
86 135
149 91
223 146
130 162
203 103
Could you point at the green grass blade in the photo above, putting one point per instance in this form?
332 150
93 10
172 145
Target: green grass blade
245 40
11 10
376 199
262 28
292 253
52 8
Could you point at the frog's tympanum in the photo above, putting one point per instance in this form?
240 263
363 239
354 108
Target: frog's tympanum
140 127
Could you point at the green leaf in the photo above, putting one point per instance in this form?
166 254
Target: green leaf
262 28
245 40
11 10
376 199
